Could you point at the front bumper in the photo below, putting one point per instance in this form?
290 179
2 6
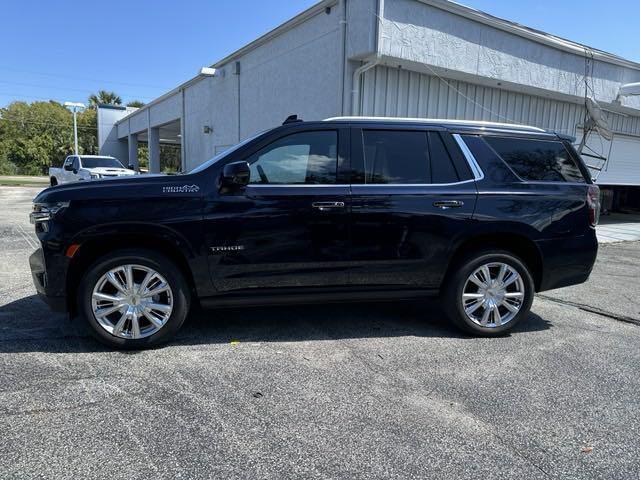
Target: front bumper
42 281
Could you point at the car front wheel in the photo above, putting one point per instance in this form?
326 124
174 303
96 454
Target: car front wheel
488 293
133 299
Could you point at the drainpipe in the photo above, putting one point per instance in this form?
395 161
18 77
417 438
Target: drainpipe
357 74
236 71
183 136
357 77
343 71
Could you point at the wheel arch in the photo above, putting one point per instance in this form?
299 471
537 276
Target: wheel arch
95 248
518 244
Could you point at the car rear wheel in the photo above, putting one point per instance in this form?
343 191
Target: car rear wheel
133 299
488 293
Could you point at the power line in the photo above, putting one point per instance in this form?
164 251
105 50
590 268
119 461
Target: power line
447 83
84 90
33 97
35 122
75 77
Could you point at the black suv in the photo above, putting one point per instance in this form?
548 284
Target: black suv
481 214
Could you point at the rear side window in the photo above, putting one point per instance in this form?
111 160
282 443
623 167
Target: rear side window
442 169
407 157
393 156
537 160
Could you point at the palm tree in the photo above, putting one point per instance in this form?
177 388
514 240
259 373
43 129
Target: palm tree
135 103
104 97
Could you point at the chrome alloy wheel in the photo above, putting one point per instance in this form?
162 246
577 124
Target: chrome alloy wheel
132 301
493 295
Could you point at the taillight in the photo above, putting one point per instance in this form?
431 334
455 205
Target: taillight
593 202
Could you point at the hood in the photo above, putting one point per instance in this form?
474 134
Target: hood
124 188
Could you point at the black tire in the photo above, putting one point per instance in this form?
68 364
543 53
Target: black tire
452 302
54 181
179 289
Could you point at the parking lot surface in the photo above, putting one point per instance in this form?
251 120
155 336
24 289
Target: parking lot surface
330 391
618 227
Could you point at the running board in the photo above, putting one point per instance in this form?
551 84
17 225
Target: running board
257 298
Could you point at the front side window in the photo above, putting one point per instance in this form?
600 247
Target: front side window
300 158
537 160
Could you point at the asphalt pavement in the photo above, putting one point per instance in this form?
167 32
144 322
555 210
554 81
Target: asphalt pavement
328 391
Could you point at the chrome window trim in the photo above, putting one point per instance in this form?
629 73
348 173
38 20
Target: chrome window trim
478 174
414 185
394 185
289 185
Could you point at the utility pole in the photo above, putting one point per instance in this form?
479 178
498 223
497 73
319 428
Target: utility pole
74 107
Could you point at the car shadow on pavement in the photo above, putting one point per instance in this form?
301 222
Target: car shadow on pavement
27 325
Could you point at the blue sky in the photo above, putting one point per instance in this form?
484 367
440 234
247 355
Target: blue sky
67 49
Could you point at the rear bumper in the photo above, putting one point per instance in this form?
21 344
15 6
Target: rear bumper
567 261
42 280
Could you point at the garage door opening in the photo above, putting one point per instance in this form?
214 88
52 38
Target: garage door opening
170 149
618 176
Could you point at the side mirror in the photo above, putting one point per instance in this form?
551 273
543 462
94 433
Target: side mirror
235 176
68 168
75 171
131 167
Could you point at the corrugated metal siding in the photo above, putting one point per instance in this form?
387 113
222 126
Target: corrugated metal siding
394 92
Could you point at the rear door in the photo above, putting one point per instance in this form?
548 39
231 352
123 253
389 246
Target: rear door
413 193
289 228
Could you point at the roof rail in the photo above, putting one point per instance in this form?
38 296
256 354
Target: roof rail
440 121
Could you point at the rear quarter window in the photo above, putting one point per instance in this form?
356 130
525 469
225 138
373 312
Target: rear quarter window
537 160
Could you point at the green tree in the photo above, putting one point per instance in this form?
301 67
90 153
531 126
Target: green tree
135 103
38 135
104 97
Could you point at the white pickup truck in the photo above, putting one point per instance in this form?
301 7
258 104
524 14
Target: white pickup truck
88 167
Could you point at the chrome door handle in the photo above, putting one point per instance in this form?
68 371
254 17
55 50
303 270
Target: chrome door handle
324 206
444 204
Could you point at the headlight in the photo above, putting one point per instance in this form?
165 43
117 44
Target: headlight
95 176
43 212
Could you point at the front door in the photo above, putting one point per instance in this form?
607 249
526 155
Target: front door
289 228
413 196
67 170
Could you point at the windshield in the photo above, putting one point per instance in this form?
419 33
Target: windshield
100 162
208 163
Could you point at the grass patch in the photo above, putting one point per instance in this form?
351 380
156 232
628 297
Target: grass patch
20 182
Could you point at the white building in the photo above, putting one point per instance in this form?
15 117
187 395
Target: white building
411 58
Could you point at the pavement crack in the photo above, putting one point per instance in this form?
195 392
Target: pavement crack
590 309
38 411
518 453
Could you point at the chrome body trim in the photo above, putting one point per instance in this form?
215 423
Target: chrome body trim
478 174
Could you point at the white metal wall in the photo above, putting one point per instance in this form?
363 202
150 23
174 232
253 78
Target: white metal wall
398 92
